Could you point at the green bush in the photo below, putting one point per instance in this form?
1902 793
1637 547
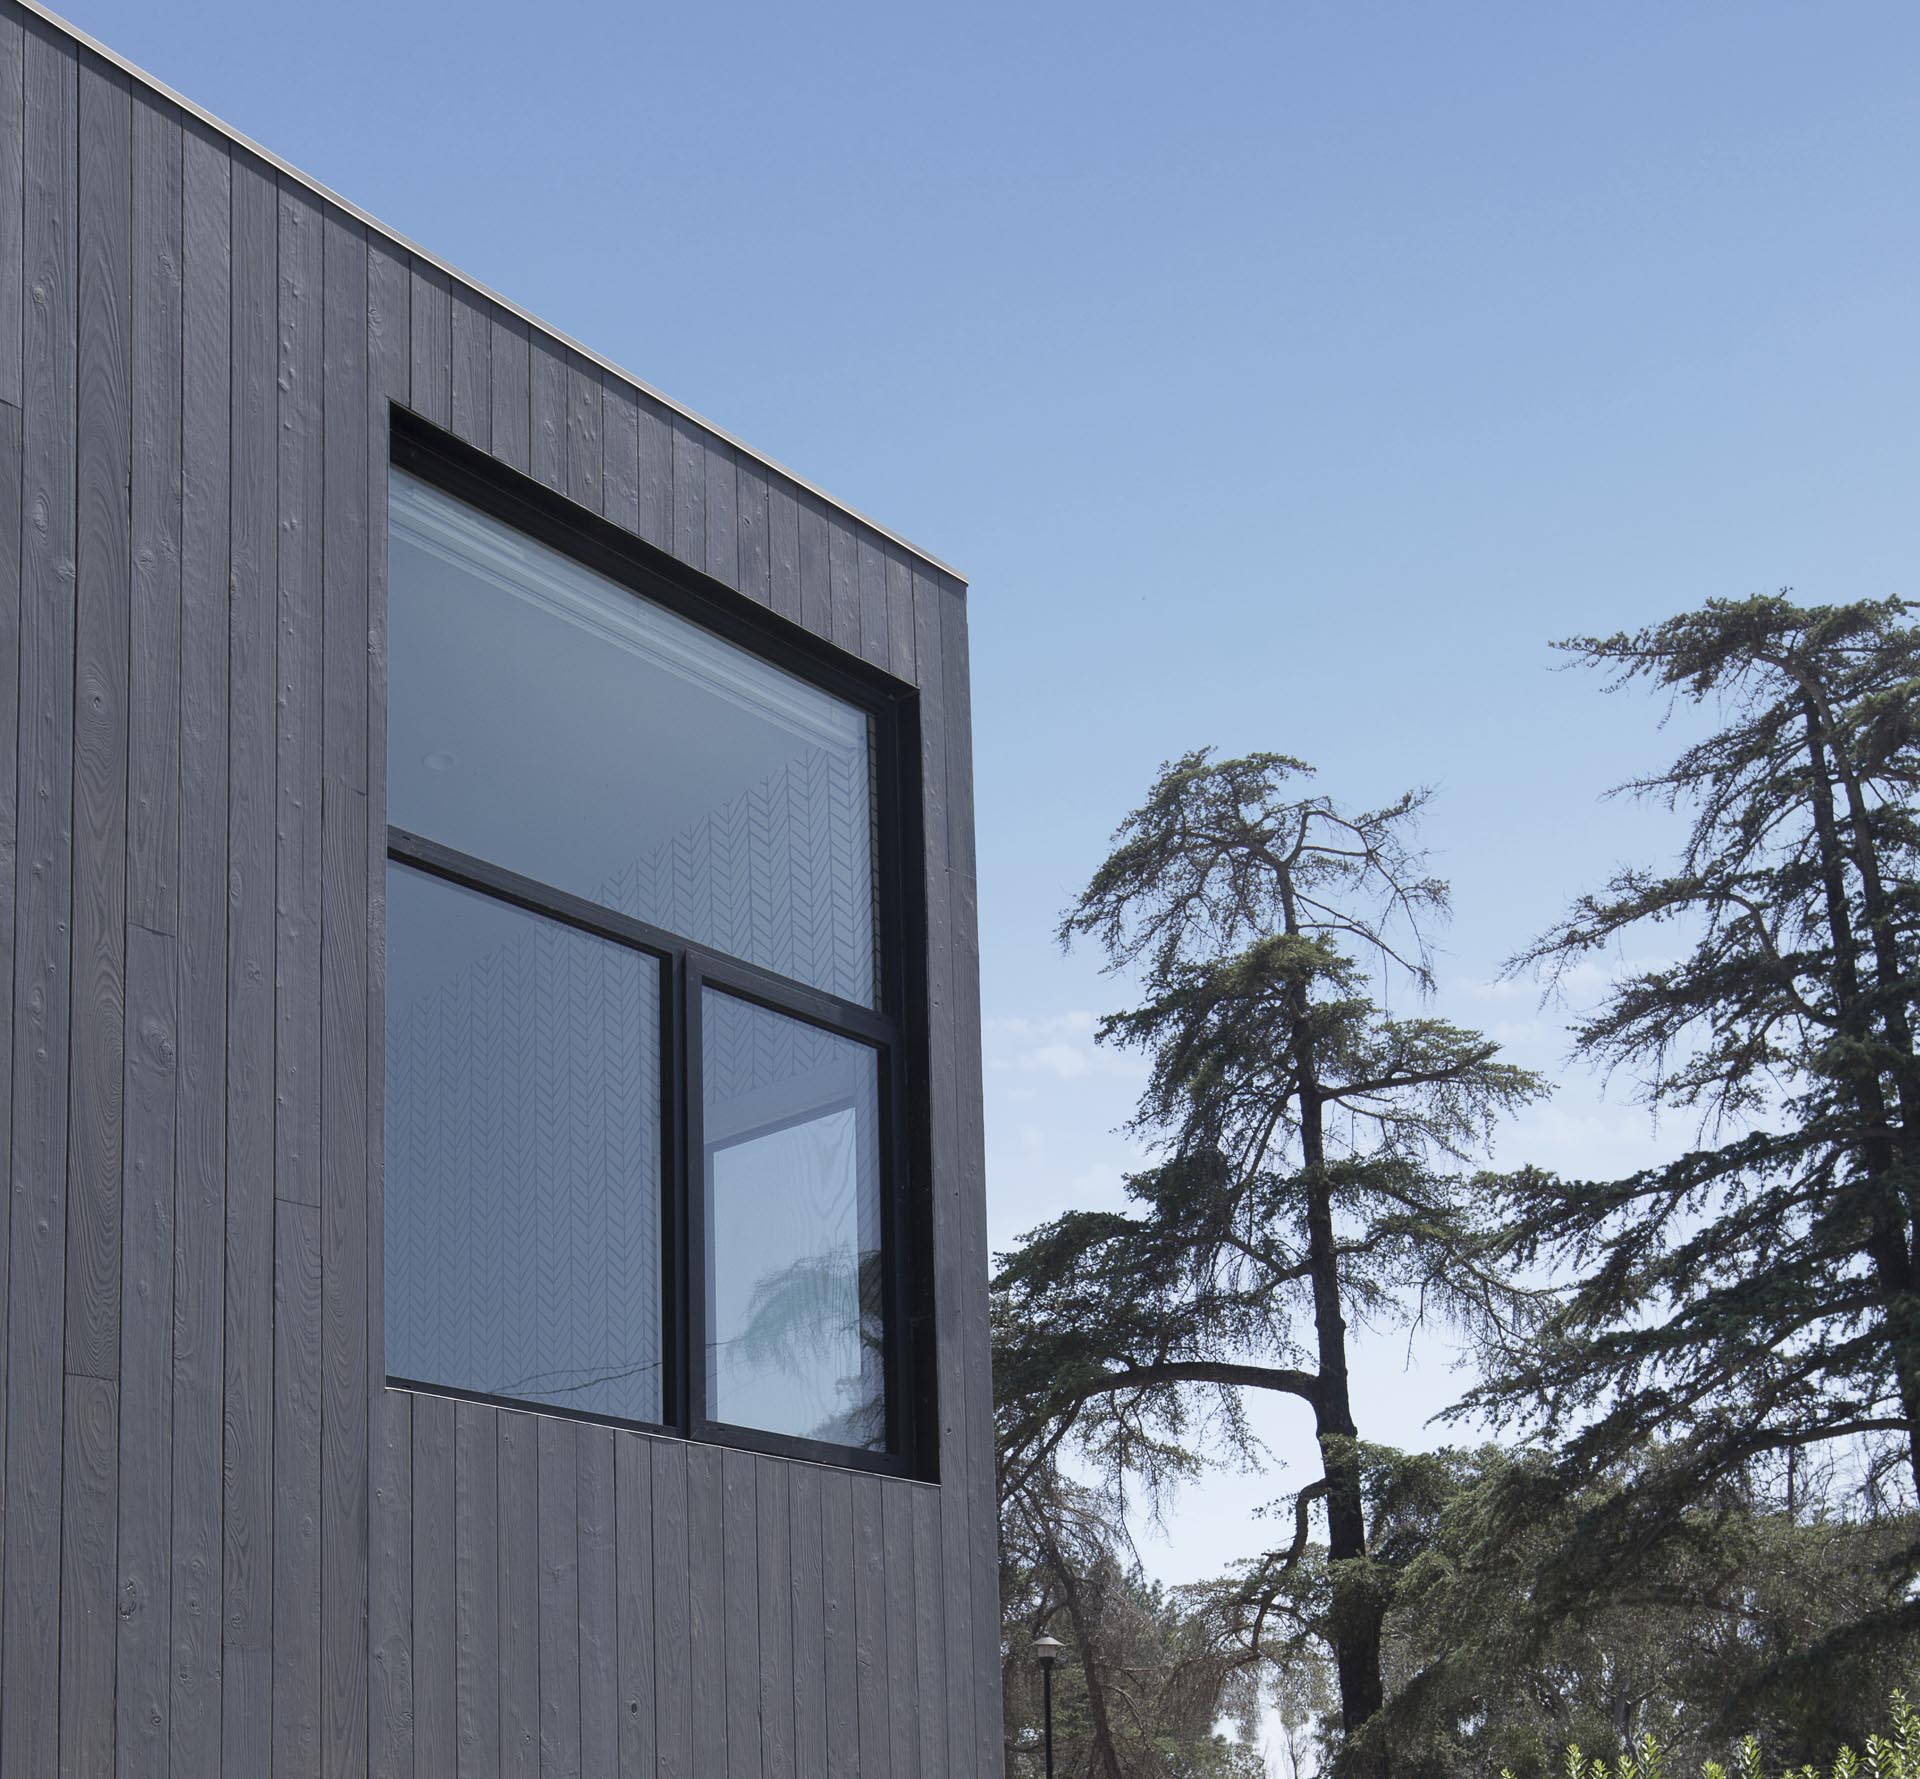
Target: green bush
1894 1756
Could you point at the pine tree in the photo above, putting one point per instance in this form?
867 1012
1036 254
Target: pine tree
1311 1150
1752 1306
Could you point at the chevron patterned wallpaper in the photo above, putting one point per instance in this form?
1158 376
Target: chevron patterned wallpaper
782 877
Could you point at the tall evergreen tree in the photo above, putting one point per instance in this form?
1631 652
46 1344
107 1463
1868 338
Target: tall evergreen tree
1754 1305
1310 1157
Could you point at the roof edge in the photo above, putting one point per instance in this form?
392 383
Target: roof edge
67 28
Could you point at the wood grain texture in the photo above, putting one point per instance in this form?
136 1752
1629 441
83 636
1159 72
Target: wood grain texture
153 756
755 543
807 1591
434 1586
816 565
248 1428
298 1306
583 431
929 1636
874 638
345 525
899 613
619 452
389 331
519 1460
870 1621
471 402
547 372
246 1707
512 396
902 1686
689 493
96 1129
430 389
41 1006
783 545
723 515
143 1693
13 181
774 1572
89 1492
299 667
345 1447
476 1557
706 1619
633 1564
740 1545
10 629
843 578
655 446
390 1536
200 1204
598 1609
957 702
971 1325
959 1461
345 1432
559 1600
672 1612
838 1608
101 642
143 1690
296 1491
390 1610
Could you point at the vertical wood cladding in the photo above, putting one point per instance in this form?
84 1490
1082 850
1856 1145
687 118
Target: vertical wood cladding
227 1547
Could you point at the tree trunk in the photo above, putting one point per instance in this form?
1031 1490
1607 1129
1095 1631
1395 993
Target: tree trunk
1107 1756
1890 1241
1890 997
1357 1611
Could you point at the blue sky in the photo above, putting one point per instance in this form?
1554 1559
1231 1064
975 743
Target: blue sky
1280 376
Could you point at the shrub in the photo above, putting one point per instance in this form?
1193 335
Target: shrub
1893 1756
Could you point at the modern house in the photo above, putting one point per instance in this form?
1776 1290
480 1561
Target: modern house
494 1270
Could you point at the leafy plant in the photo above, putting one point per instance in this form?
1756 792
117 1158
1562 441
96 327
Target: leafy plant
1894 1756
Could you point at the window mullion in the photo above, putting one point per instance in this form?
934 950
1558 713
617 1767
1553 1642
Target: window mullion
690 1195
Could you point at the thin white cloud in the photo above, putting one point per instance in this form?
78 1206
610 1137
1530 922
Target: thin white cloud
1060 1046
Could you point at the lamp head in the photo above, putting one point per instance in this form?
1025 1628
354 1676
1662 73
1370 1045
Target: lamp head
1048 1650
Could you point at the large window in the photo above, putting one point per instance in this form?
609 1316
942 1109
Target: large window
645 1065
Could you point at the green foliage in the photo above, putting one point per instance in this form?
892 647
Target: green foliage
1741 1617
1313 1169
1715 1521
1752 1307
1895 1756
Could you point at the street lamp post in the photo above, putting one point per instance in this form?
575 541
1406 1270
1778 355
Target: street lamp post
1048 1650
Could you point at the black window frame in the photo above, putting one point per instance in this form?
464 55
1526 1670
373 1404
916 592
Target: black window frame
895 1029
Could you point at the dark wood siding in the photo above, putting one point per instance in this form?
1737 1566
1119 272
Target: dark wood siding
227 1546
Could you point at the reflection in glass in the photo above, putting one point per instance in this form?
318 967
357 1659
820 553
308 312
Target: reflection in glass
794 1291
523 1155
553 722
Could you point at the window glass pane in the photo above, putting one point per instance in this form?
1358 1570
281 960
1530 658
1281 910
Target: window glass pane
794 1295
523 1154
551 721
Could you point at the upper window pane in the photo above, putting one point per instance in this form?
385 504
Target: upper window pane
549 720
